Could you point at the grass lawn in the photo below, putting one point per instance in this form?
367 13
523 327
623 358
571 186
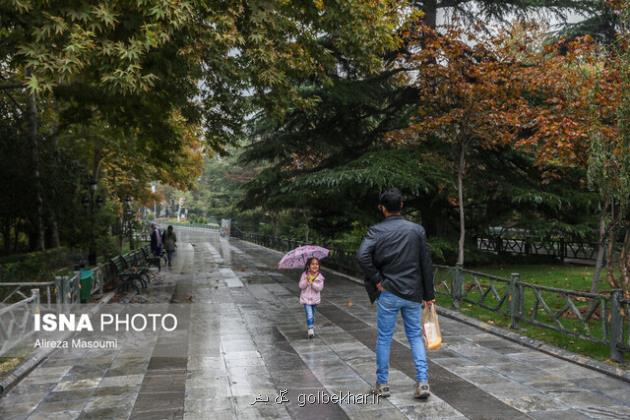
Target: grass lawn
562 276
7 364
559 276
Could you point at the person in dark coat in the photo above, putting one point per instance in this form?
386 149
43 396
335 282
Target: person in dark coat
399 276
169 239
156 240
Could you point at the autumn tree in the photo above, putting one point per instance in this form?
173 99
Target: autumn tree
576 118
127 68
468 99
64 62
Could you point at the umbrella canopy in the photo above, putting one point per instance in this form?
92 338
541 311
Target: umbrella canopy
297 258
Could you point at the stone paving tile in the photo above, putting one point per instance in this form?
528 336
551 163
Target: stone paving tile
611 388
81 394
580 399
16 411
198 403
163 381
72 385
79 372
245 409
479 374
49 407
28 389
376 414
559 415
63 415
100 413
171 414
571 371
120 381
228 414
431 409
46 375
158 401
606 412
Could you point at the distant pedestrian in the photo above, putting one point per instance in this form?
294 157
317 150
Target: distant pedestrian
399 276
311 284
156 240
169 239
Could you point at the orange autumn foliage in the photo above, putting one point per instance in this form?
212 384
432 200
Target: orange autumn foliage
514 91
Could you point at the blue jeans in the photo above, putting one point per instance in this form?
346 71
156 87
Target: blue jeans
310 315
387 307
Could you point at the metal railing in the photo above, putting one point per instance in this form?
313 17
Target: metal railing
595 317
16 322
68 289
19 291
212 226
528 246
623 341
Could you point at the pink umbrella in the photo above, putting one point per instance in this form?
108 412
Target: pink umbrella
297 258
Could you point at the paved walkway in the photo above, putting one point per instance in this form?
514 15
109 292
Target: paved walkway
245 339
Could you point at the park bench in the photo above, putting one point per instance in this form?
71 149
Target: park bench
151 259
128 277
136 262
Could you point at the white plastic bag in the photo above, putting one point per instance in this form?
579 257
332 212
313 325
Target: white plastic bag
431 328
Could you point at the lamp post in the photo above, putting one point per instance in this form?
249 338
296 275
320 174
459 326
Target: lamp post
154 190
92 204
128 215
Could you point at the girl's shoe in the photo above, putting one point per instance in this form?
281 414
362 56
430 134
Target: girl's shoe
311 333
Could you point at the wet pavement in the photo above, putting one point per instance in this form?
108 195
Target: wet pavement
244 354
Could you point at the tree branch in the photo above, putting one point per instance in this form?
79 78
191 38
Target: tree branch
11 85
16 103
451 3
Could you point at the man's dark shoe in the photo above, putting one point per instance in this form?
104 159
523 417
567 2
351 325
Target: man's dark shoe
381 390
422 391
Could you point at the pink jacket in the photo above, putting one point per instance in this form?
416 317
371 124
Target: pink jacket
310 292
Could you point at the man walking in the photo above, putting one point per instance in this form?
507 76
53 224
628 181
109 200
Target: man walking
399 276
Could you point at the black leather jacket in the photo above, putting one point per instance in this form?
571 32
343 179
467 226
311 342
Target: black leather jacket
395 253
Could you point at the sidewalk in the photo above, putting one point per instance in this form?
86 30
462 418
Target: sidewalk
246 340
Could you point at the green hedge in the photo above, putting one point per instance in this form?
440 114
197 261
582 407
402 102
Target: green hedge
34 266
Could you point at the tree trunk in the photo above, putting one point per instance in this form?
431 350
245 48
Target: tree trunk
274 223
54 230
39 199
121 233
624 260
308 229
6 235
460 192
612 238
429 7
16 232
601 250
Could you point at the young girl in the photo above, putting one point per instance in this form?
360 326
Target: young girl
311 283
